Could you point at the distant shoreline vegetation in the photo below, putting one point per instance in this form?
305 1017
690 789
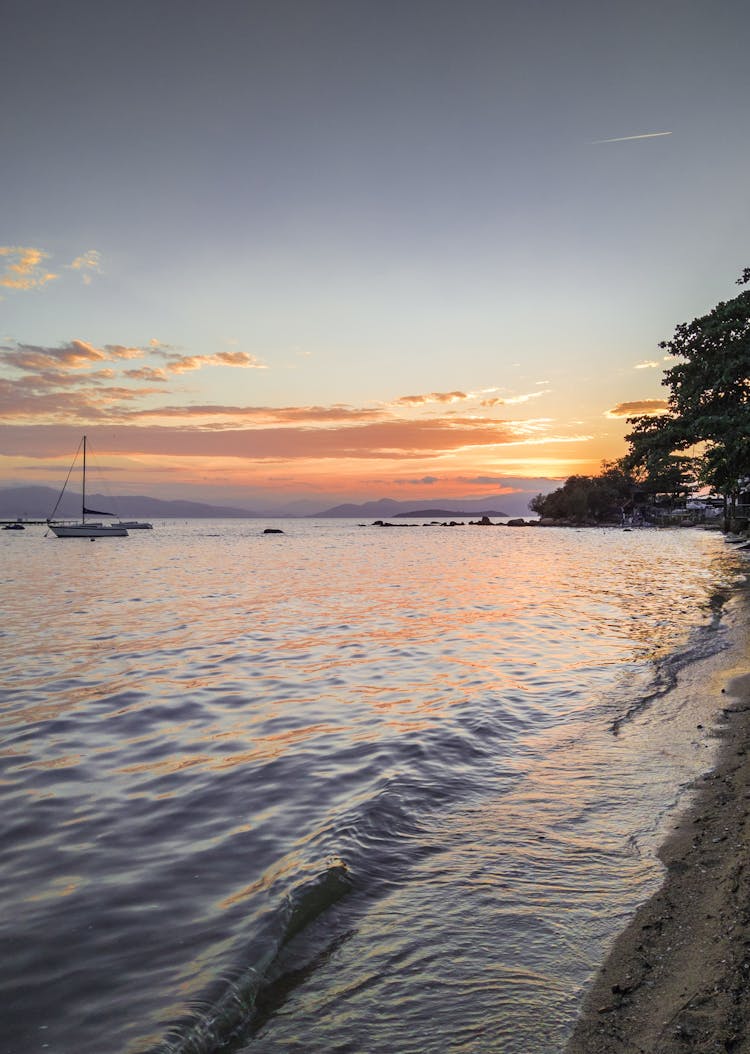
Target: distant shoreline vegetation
707 413
449 512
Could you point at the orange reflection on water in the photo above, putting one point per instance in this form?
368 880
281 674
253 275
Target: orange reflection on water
58 888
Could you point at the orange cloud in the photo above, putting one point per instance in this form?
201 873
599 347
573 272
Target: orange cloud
443 398
42 397
186 363
302 415
51 406
511 400
236 358
433 397
121 351
374 440
147 373
641 407
88 262
50 380
70 388
25 268
79 353
73 355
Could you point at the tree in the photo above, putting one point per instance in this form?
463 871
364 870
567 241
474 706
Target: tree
588 498
709 400
659 474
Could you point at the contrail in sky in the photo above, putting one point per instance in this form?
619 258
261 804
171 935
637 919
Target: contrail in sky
627 138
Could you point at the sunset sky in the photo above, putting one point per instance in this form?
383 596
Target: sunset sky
339 250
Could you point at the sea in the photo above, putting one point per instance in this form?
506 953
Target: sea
342 788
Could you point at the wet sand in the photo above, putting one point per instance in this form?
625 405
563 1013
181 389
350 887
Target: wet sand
678 978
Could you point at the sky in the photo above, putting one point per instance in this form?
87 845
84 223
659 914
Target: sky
334 250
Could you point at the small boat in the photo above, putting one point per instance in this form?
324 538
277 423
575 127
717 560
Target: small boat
84 528
90 529
135 525
14 527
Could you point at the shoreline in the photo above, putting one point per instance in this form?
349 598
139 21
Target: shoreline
677 979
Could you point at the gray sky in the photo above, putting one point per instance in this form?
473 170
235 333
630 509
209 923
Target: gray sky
368 201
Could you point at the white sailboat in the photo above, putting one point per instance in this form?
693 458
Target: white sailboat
84 528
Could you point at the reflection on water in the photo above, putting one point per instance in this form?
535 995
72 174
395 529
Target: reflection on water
340 789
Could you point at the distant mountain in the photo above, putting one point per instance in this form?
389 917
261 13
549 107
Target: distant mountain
36 503
383 507
513 499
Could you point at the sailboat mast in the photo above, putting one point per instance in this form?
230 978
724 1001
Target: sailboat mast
83 487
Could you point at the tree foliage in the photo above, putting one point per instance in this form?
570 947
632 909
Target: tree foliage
709 398
582 499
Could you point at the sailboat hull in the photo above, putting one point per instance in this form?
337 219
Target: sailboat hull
88 530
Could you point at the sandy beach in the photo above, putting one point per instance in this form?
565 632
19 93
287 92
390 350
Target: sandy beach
678 978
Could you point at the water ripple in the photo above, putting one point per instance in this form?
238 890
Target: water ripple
347 781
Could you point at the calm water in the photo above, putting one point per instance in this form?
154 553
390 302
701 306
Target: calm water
340 789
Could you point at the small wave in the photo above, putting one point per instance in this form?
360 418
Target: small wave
216 1025
383 835
703 642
